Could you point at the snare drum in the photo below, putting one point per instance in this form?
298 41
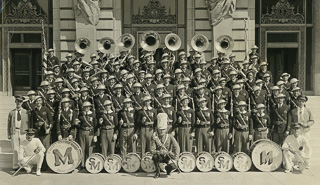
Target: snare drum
147 163
131 162
187 162
223 161
112 163
241 162
204 162
266 155
64 156
95 163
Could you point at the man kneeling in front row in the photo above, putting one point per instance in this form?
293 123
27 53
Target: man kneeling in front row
164 147
31 152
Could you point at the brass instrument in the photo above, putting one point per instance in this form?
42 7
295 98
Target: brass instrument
106 45
127 41
172 42
150 40
224 44
82 45
199 43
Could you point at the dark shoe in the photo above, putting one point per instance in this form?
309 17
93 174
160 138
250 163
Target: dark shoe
80 168
157 175
168 169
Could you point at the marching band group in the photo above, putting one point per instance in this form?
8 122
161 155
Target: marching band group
111 103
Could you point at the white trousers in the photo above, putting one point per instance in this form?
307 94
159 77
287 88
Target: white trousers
36 160
289 159
16 139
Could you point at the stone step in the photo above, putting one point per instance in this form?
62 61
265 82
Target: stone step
6 160
5 146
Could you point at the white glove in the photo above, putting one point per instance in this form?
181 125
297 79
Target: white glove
135 137
192 134
286 133
70 137
230 135
95 139
100 120
211 134
173 133
250 137
59 137
114 137
144 119
198 121
179 119
121 121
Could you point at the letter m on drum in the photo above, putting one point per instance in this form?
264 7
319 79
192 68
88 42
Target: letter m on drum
266 158
59 158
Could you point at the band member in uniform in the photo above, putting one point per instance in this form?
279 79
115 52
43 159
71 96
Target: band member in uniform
18 122
168 88
296 149
164 149
185 124
293 83
242 123
169 110
279 120
30 104
68 64
147 120
285 78
222 126
185 71
88 132
118 98
302 115
100 99
57 72
149 86
203 126
128 128
257 98
261 123
31 147
52 60
66 121
263 70
108 121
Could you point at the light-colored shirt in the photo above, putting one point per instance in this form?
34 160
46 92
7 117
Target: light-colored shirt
17 123
27 147
299 144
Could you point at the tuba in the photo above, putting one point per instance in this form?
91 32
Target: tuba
150 40
172 42
127 41
199 43
82 45
224 44
106 45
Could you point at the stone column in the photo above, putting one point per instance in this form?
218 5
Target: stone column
316 47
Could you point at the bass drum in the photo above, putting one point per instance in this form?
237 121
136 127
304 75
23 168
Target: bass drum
266 155
223 161
131 162
147 163
187 162
95 163
112 163
204 162
64 156
241 162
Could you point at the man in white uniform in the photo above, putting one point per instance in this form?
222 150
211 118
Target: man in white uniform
33 150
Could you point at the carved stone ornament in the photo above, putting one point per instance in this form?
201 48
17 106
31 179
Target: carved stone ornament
282 13
25 13
154 13
89 9
219 10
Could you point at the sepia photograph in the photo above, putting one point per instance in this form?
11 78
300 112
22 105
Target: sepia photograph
159 92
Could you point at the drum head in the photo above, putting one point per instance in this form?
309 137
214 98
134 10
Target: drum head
266 156
241 162
95 163
112 163
204 162
147 163
187 162
223 162
63 156
131 163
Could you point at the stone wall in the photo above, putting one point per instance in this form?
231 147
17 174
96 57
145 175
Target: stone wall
316 50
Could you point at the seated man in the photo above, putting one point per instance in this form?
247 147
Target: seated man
164 147
296 150
31 152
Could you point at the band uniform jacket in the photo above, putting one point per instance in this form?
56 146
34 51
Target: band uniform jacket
138 100
222 120
25 121
83 99
197 99
157 101
52 61
98 102
217 98
110 121
169 88
261 122
242 121
279 118
42 117
150 115
293 117
168 142
117 101
66 122
257 99
88 122
150 87
188 118
129 118
53 106
204 118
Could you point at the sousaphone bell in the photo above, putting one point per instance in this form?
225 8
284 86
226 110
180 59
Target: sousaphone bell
126 41
106 45
224 44
173 42
150 40
82 45
199 43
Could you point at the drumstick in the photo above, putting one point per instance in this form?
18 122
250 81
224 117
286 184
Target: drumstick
299 157
26 164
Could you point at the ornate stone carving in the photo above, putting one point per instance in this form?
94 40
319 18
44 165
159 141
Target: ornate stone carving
89 9
154 13
282 12
25 13
219 10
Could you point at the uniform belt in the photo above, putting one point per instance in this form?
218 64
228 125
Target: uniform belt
147 126
86 128
223 127
260 129
203 126
149 123
128 125
108 127
17 128
241 129
186 123
204 122
66 126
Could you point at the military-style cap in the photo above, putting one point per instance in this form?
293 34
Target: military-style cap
242 103
254 47
127 100
221 101
123 72
37 97
135 62
84 89
49 73
182 53
200 87
19 98
261 106
202 80
148 75
107 102
76 63
159 86
246 62
202 100
69 55
203 62
130 76
111 77
236 87
303 98
256 88
70 70
31 92
101 87
217 87
226 61
147 54
263 64
131 56
151 62
116 63
166 96
166 76
65 100
295 89
103 71
216 71
258 81
94 63
184 98
55 66
254 56
183 62
93 55
181 87
240 81
142 71
177 71
296 125
294 80
64 90
280 95
222 79
86 104
285 74
233 72
198 70
30 131
214 58
158 71
44 83
274 88
266 75
51 91
86 70
118 86
137 85
232 55
165 55
186 79
197 55
164 61
74 80
94 79
280 82
147 98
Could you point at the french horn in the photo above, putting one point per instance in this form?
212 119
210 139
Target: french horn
82 45
106 45
150 40
224 44
173 42
199 43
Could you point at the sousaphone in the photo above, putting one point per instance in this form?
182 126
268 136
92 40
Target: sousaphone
127 41
150 40
199 43
224 44
82 45
106 45
173 42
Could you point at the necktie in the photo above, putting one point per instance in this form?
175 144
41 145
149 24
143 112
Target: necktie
19 115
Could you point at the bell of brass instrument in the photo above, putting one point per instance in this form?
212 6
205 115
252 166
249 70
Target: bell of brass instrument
173 42
224 44
150 40
82 45
199 43
106 45
127 40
